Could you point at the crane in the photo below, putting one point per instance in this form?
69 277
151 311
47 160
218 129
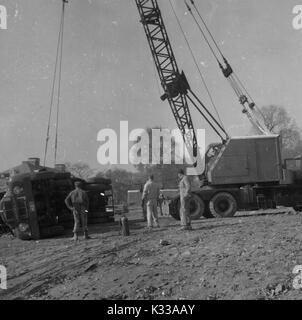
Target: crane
235 163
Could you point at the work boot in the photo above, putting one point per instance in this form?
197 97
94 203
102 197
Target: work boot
75 237
86 236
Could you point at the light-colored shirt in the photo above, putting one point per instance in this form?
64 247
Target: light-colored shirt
77 197
151 191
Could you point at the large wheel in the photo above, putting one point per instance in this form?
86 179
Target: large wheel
197 208
207 213
174 208
223 205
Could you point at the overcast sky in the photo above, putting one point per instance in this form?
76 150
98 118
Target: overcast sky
108 74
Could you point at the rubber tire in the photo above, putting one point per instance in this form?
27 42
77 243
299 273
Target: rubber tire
174 208
200 207
20 235
207 213
196 215
218 199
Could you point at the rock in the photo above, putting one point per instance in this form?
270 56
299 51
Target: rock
91 267
186 253
196 240
279 289
164 243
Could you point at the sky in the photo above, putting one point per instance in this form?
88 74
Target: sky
108 75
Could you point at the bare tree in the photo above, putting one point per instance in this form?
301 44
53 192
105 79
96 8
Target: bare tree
165 174
278 121
80 170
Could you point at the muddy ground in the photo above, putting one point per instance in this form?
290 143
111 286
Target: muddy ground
250 256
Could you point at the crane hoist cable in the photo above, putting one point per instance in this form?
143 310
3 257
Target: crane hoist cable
196 64
249 106
59 83
57 74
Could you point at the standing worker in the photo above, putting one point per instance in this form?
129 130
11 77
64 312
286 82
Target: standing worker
144 208
150 197
77 201
161 201
185 194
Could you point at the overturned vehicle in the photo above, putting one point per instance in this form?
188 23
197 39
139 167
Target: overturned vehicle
33 207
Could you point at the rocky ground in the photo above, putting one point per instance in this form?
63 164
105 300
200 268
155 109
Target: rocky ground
251 256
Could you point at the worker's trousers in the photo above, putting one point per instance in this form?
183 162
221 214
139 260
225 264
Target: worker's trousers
144 208
152 216
80 216
185 211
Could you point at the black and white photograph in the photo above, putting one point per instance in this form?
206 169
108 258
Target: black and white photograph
150 153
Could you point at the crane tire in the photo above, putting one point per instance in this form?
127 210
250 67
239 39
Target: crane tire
197 208
223 205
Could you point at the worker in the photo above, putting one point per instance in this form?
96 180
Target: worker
77 201
150 197
185 194
161 201
144 207
2 226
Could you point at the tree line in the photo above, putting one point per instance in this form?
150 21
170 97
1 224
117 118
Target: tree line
276 119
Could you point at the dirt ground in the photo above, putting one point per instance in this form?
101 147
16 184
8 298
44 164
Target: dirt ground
251 256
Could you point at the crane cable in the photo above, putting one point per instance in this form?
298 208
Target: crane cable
233 79
203 33
60 79
58 65
196 64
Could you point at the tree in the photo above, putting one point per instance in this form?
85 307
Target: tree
80 170
122 182
278 121
164 174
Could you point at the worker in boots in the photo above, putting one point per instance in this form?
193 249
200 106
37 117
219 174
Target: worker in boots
144 210
185 194
77 201
150 197
144 207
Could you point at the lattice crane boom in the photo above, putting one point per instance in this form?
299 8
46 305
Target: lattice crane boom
174 82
